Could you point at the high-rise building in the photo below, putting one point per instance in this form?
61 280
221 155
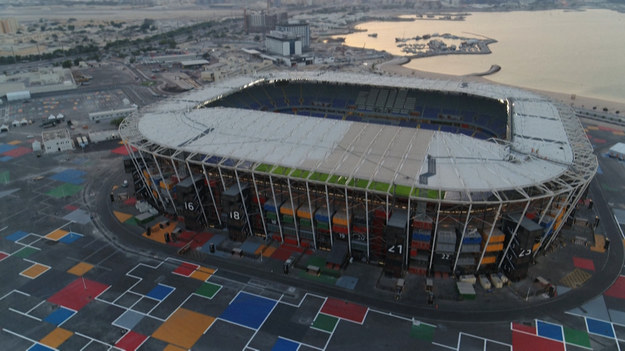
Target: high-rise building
8 25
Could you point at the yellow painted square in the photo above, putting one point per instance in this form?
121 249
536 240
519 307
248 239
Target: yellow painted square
122 217
269 251
183 328
34 271
200 275
592 128
56 235
80 269
158 234
14 142
259 250
56 337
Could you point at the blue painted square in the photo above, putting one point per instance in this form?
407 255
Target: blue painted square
284 345
6 147
59 316
548 330
16 236
72 176
39 347
248 310
70 237
600 327
6 158
599 170
160 292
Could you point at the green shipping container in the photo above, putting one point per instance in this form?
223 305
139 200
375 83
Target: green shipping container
288 219
323 225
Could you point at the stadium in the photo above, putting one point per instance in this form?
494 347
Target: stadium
416 175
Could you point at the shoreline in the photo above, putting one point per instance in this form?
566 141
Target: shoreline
575 100
396 66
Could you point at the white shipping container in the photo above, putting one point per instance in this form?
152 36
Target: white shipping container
496 281
484 282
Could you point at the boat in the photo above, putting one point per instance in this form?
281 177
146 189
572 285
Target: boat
373 35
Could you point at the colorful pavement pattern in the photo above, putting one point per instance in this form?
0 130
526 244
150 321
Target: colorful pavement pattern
77 292
176 305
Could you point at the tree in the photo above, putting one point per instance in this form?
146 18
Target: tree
70 27
77 61
67 64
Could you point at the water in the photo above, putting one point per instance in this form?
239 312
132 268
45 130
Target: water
572 52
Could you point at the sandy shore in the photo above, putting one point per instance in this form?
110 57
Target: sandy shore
395 67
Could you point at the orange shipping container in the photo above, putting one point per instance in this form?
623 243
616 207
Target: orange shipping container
304 212
489 259
494 247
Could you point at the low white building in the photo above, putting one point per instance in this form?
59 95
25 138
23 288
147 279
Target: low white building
56 141
617 151
103 115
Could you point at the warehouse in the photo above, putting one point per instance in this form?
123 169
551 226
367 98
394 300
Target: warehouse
418 175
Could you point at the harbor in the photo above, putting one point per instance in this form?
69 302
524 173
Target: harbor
443 44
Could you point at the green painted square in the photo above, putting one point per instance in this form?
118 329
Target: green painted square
422 331
325 322
320 177
402 190
64 190
208 290
576 337
316 261
322 278
4 177
263 167
132 221
25 252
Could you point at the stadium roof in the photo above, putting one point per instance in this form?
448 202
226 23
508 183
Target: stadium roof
539 149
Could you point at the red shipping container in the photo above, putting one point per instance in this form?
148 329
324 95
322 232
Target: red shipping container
339 229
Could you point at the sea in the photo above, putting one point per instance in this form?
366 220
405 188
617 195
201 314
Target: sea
580 53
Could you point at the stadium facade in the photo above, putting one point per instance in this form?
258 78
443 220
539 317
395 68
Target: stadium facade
418 175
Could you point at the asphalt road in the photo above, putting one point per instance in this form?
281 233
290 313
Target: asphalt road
119 236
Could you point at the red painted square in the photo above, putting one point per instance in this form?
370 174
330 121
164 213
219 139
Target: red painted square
526 342
3 255
130 201
524 328
617 289
131 341
122 150
584 263
598 141
200 239
285 251
186 269
78 293
344 310
18 151
607 129
70 207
